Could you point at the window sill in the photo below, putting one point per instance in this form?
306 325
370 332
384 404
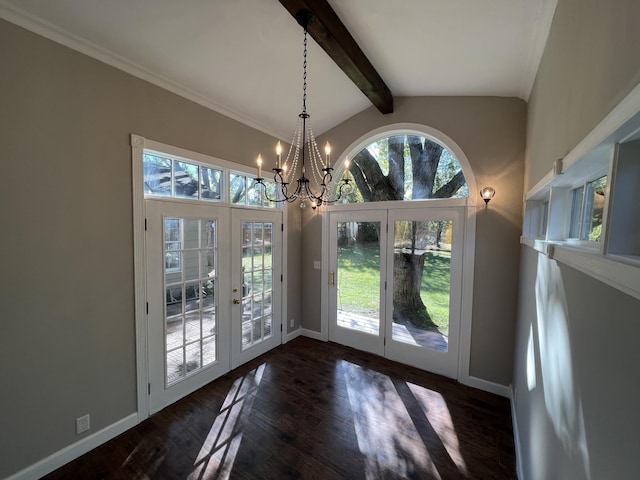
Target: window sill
619 272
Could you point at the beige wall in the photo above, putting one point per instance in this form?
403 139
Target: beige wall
577 416
490 131
590 64
67 345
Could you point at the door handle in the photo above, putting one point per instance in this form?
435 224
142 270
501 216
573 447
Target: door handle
236 301
332 278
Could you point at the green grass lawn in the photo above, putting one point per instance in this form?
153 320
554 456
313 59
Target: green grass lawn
359 282
359 279
435 288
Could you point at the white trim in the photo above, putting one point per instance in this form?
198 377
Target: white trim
404 204
324 279
305 332
292 335
621 276
544 18
421 130
140 276
540 245
487 386
19 17
516 434
190 156
617 271
75 450
284 269
466 313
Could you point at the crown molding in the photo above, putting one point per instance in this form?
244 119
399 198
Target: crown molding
56 34
544 18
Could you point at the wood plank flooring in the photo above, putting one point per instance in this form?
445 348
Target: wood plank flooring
315 410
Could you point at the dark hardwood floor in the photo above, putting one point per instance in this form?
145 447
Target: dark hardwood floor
315 410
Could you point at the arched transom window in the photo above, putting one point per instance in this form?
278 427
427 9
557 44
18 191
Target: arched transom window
405 167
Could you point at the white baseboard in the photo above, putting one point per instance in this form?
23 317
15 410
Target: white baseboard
516 436
73 451
313 334
291 335
487 386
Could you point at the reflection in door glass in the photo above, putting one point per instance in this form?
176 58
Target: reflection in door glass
358 276
421 283
257 274
190 307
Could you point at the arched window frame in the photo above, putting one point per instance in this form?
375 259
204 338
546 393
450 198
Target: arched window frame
418 130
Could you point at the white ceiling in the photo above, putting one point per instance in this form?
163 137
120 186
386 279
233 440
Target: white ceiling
243 58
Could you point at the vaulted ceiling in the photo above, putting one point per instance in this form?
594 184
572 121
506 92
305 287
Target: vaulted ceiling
243 58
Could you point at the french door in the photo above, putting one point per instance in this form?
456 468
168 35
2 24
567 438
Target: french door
396 284
357 267
256 284
200 262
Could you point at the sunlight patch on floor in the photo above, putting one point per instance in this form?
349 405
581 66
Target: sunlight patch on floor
387 437
435 408
219 450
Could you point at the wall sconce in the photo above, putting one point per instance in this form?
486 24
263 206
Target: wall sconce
487 194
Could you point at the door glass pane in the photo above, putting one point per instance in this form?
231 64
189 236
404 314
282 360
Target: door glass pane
172 245
257 274
191 264
208 350
208 309
193 356
190 305
192 313
358 276
175 360
421 283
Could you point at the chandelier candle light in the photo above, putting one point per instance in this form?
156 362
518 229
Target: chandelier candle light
303 135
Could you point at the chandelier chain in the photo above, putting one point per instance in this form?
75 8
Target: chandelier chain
304 75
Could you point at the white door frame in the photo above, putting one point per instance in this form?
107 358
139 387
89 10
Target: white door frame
468 259
138 145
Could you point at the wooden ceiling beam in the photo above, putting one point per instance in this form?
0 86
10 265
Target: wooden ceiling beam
330 33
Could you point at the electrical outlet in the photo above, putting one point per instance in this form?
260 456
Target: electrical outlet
82 424
291 323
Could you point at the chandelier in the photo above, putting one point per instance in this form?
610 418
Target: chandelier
321 171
